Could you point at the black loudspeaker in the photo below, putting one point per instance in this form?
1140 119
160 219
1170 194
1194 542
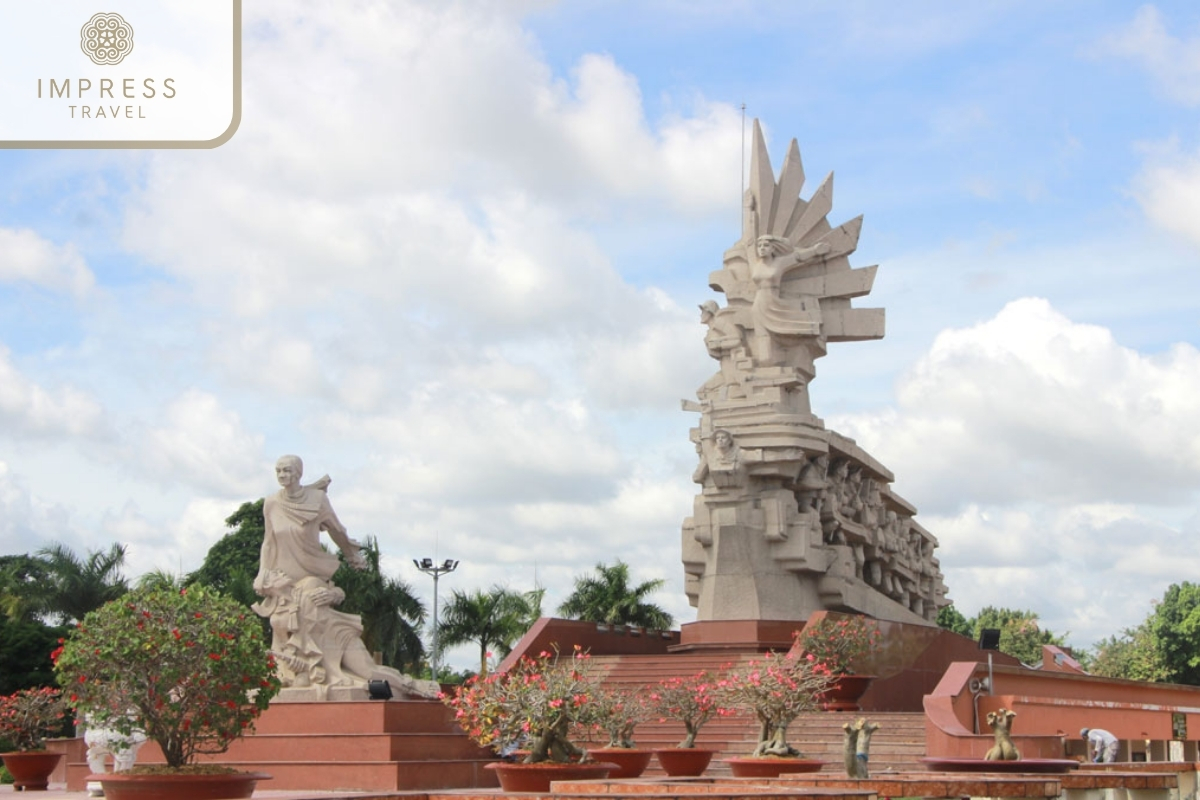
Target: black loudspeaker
989 639
379 690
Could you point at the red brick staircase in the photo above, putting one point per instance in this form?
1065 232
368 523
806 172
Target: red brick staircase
895 747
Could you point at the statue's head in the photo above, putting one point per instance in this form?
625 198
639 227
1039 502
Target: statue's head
288 470
723 440
769 246
708 309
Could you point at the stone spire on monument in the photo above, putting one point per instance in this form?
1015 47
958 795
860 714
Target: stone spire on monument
793 518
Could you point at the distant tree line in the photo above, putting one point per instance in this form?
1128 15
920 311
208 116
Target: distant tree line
43 593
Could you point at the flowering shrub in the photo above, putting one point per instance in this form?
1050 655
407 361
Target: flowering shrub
777 688
27 717
693 701
839 643
189 667
617 711
533 705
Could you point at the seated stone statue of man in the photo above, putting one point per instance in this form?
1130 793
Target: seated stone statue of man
318 650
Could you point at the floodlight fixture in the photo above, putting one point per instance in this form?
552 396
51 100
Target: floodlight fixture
427 566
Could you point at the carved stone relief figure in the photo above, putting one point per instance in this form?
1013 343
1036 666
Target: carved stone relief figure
725 341
774 314
723 463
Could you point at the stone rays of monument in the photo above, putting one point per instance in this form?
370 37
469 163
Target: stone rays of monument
319 651
792 517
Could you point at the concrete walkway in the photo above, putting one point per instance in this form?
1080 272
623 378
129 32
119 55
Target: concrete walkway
59 792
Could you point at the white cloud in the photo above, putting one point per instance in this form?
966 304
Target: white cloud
1088 570
484 188
30 410
206 446
1168 189
28 522
1030 404
28 258
1043 454
1173 62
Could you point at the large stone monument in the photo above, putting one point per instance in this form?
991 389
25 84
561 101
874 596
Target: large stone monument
793 518
318 650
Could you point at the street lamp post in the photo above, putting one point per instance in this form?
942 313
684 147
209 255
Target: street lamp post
427 566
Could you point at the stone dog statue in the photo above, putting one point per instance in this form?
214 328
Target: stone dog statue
1000 721
105 742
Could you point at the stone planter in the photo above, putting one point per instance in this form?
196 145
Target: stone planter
538 777
179 786
683 762
31 769
844 692
631 761
771 766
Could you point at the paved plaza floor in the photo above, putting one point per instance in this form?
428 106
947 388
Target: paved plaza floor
59 792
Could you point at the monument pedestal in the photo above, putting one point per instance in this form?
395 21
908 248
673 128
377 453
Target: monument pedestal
381 745
736 635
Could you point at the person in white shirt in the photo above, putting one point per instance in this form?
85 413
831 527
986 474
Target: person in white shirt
1101 745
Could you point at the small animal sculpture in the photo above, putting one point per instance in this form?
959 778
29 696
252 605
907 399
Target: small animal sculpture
1000 721
856 747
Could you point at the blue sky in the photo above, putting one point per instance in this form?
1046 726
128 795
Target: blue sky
452 257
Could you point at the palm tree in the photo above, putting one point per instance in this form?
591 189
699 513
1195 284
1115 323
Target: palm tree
607 597
77 586
496 618
162 579
391 614
23 587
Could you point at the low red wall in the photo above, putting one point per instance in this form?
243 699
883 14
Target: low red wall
599 640
1051 708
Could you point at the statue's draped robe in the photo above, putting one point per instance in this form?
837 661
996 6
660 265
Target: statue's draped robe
293 565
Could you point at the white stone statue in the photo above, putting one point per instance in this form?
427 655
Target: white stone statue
774 314
792 518
104 743
319 650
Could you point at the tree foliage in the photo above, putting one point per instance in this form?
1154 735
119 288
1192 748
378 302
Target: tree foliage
1132 655
231 564
1020 634
951 619
607 597
1175 628
391 614
77 585
25 647
495 619
191 666
24 587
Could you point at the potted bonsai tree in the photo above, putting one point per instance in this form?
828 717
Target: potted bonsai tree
692 700
188 667
777 688
617 711
27 718
841 643
532 708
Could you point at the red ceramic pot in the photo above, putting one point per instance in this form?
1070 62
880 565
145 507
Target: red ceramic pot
844 692
683 762
31 769
631 761
179 786
538 777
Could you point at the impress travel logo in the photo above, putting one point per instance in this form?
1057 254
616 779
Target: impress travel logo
72 76
106 39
